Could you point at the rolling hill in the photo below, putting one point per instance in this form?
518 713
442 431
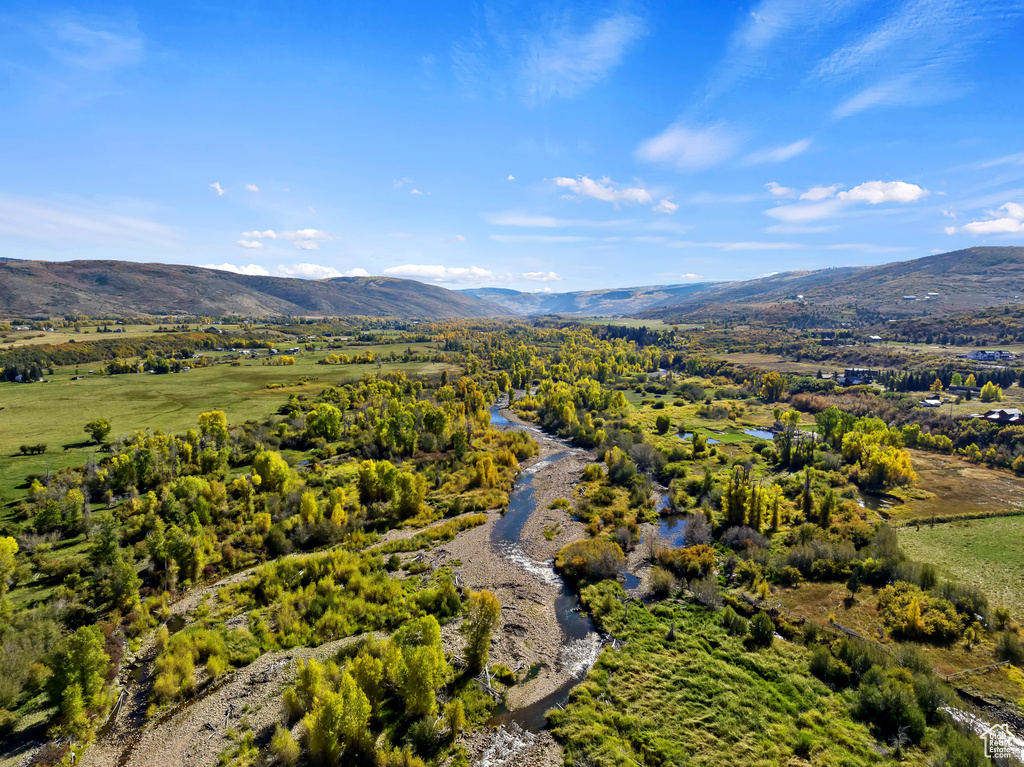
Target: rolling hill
610 302
959 281
100 288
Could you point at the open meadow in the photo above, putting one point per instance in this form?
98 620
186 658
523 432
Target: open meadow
986 553
55 413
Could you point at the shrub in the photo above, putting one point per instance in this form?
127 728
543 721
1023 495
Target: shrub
912 614
734 623
592 560
690 563
662 582
762 630
1008 647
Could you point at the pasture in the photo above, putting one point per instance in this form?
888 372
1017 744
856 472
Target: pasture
55 413
986 553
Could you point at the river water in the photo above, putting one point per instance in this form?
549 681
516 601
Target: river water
580 643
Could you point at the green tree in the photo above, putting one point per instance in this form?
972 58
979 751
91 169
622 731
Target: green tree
991 393
482 618
662 423
79 665
272 470
773 386
338 723
324 421
74 503
98 429
214 425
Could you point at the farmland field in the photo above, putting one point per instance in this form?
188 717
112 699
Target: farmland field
54 413
987 553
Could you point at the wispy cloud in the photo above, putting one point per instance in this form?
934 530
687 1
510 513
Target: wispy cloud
816 193
738 246
252 187
526 220
913 55
316 271
775 155
79 224
215 186
778 190
604 190
550 238
665 206
456 238
250 244
561 62
302 239
254 270
688 148
541 276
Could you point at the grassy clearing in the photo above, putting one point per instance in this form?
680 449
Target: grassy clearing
818 602
987 553
702 698
960 488
54 413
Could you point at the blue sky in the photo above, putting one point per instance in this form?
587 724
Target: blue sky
538 146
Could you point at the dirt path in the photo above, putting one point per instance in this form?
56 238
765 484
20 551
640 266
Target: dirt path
196 731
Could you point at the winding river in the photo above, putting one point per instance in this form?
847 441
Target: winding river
580 643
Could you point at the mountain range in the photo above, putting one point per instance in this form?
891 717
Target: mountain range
960 281
101 288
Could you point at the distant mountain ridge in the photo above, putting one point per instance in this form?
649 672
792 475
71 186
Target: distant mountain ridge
609 302
958 281
58 288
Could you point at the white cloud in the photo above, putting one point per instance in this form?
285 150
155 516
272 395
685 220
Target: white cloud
398 183
816 193
308 271
777 190
665 206
550 238
438 273
254 270
513 218
250 243
604 190
456 238
563 63
216 186
1007 219
252 187
864 247
511 177
415 191
302 239
801 213
875 192
798 229
778 154
735 246
690 149
819 203
541 276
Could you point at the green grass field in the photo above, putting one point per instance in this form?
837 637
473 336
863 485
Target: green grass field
55 413
987 553
682 691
